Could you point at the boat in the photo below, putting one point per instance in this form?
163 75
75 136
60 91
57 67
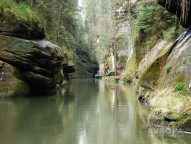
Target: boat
97 76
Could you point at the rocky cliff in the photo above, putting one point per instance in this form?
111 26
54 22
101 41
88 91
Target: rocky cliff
162 75
28 63
164 84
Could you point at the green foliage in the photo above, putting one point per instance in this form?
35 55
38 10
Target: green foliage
151 14
21 89
99 27
168 69
123 59
184 121
130 68
153 23
21 11
180 86
68 38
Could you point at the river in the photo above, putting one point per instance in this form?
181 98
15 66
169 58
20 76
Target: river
88 111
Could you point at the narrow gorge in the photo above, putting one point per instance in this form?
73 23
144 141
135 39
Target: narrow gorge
52 50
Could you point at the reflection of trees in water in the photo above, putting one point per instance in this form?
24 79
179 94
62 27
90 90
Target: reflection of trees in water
140 114
81 109
121 110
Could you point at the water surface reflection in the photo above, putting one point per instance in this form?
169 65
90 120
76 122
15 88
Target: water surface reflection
87 112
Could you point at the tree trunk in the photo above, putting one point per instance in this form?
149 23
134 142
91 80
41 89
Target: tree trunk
32 4
59 20
181 8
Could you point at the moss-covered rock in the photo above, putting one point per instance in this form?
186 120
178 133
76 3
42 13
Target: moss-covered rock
163 73
150 67
170 101
10 85
179 59
41 64
130 69
40 57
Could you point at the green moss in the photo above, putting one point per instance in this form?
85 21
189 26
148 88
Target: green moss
13 88
21 11
122 59
168 69
150 75
180 78
172 124
130 68
184 120
21 89
180 86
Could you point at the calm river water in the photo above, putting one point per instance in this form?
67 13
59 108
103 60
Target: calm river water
87 112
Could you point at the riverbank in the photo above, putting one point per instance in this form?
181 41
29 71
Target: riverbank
164 83
160 65
169 109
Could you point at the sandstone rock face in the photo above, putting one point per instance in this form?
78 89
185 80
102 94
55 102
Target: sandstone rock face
164 82
40 64
167 64
121 49
40 57
163 73
29 64
150 67
124 44
10 85
179 61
